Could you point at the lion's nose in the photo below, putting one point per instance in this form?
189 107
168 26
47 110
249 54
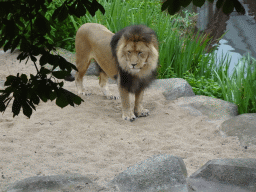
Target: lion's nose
133 65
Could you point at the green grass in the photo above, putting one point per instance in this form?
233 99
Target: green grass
181 55
240 88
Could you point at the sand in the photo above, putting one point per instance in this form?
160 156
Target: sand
92 139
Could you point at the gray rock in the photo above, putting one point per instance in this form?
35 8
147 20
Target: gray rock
243 126
163 173
225 175
56 183
173 88
215 109
158 173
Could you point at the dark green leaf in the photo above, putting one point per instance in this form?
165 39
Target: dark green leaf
56 13
185 3
8 45
42 24
239 7
94 7
198 3
11 29
32 105
35 99
42 96
15 43
22 56
219 3
2 42
228 7
61 84
174 8
101 8
24 78
26 109
53 60
18 22
80 9
44 59
44 71
16 107
165 5
211 1
9 80
8 90
63 13
77 100
61 100
33 58
2 106
60 74
52 96
5 8
24 46
72 9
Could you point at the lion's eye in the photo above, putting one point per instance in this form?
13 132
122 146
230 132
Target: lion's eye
139 53
129 52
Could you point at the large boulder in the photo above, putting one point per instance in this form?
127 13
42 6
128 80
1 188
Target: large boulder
173 88
158 173
55 183
243 126
225 175
215 109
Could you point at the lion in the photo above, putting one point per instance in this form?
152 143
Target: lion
130 56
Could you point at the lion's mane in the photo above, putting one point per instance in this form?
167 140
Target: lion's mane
136 33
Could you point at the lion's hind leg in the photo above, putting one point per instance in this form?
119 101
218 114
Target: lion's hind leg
104 87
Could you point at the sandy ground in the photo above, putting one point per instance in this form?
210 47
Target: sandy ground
93 140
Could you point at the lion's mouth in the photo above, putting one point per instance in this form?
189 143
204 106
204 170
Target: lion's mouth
135 69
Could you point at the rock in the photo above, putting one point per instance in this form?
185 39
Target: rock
56 183
160 172
243 126
225 175
215 109
173 88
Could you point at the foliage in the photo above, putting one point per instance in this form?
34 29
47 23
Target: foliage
240 88
27 25
203 85
173 6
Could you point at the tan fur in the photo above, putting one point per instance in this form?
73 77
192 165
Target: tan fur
93 42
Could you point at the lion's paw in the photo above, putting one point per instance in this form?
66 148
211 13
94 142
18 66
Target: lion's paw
84 92
142 113
129 116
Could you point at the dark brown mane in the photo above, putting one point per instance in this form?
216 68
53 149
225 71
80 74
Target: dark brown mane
133 33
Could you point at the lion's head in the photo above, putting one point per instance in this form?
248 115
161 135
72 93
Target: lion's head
135 49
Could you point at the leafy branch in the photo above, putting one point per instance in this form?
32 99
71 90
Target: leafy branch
25 25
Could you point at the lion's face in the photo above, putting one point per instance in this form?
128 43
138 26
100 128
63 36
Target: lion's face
137 58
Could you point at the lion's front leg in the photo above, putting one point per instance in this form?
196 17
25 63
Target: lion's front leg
138 109
127 112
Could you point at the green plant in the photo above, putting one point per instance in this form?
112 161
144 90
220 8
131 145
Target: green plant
204 86
240 87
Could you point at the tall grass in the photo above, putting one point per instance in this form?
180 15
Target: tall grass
240 88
